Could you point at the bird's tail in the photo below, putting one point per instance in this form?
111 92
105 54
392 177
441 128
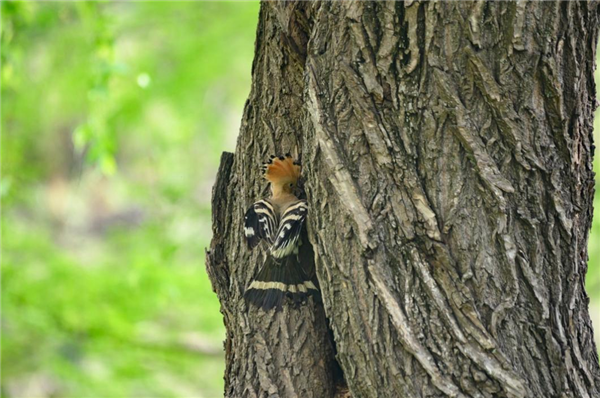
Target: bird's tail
280 278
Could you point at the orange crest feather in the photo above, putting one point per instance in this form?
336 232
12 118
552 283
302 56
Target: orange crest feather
281 170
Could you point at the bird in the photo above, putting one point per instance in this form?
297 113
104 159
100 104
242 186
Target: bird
278 221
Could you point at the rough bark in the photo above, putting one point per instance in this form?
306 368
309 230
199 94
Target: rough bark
287 353
447 152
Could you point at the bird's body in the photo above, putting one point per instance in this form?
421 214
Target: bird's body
283 201
278 220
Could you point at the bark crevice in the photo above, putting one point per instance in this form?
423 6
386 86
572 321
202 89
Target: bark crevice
446 152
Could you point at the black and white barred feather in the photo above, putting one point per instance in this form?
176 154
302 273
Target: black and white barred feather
290 227
283 273
260 222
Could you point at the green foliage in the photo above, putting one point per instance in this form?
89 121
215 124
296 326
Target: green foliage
113 119
108 328
593 275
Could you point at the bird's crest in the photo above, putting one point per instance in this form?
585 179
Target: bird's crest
282 169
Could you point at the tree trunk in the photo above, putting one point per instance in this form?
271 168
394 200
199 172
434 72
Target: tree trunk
447 158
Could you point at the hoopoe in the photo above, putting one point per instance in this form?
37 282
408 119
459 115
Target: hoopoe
278 220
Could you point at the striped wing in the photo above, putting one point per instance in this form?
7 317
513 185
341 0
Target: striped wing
290 227
260 222
277 279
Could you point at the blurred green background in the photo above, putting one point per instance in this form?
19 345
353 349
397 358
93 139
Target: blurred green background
114 116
